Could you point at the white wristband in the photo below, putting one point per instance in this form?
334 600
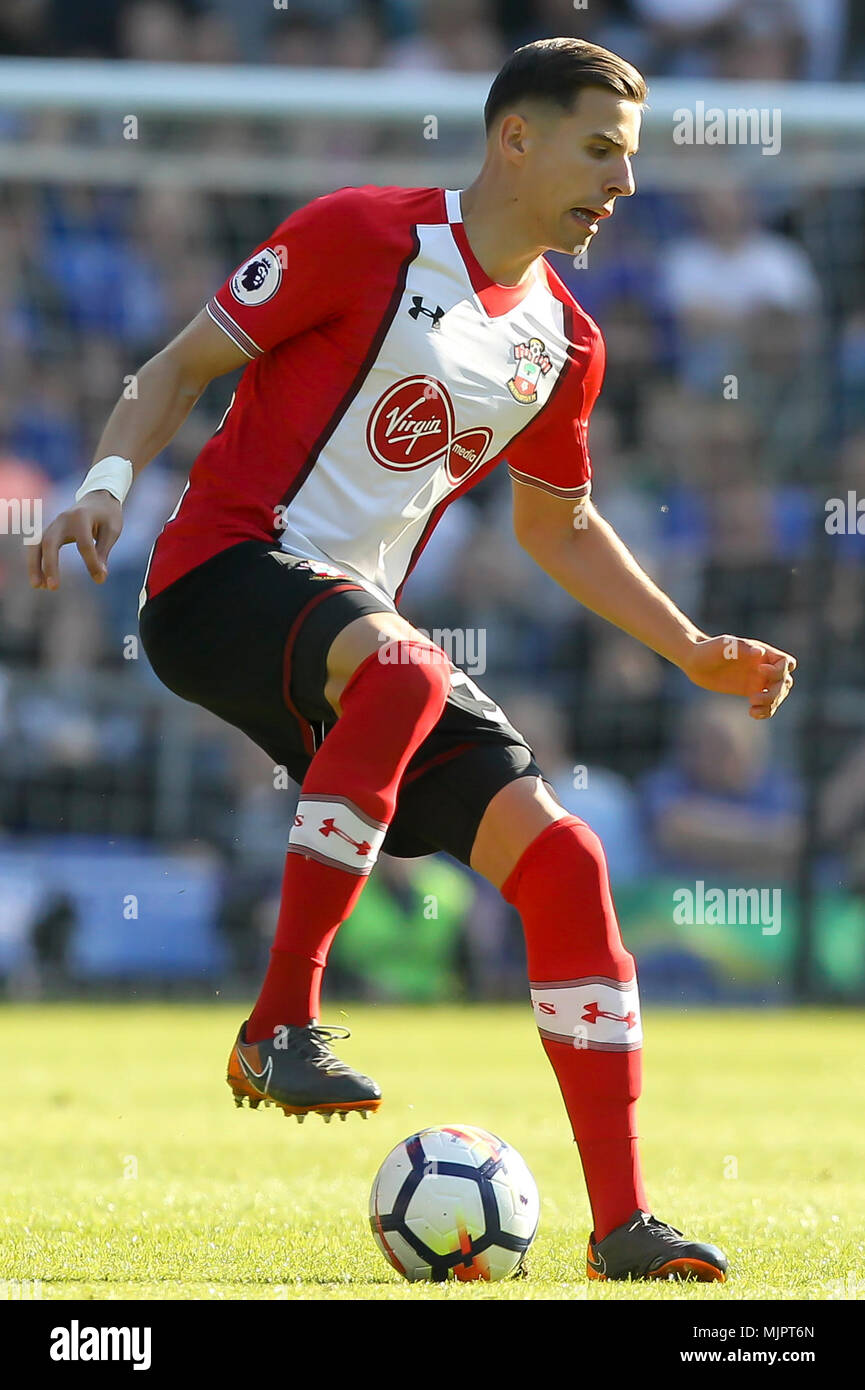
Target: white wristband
113 474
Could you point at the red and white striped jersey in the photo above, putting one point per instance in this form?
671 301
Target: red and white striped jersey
388 374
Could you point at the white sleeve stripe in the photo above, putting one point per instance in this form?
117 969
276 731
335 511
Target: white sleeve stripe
233 330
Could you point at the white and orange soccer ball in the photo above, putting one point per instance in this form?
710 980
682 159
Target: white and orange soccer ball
454 1202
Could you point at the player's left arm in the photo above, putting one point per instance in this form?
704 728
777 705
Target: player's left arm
585 556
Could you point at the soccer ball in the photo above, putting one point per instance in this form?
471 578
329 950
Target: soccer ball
454 1202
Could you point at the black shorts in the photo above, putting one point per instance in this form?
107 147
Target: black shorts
246 635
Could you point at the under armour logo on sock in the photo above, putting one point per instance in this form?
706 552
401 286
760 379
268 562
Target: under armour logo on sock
329 827
564 1008
335 831
593 1012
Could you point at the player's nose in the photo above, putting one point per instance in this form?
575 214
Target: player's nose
620 183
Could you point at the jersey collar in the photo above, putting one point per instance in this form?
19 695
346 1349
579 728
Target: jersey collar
496 299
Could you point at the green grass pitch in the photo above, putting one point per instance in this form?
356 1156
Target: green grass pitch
127 1172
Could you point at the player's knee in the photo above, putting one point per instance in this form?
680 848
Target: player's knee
585 856
583 865
422 672
589 849
594 876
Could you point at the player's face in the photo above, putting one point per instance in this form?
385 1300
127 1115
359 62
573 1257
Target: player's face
579 164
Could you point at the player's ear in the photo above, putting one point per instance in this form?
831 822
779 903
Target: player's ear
513 136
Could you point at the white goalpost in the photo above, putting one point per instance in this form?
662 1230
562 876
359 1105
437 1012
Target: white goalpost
62 121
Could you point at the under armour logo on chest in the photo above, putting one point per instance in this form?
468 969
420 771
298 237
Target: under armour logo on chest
419 308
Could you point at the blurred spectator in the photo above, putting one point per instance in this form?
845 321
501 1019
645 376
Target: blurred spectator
156 31
51 937
767 43
43 423
765 39
586 789
406 938
852 371
720 802
681 36
720 279
746 38
451 36
823 27
23 26
105 284
841 814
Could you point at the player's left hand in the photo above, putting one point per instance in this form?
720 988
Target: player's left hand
741 666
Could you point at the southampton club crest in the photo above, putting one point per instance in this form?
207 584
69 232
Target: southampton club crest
532 364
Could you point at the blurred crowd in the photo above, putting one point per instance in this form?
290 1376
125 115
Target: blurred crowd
733 406
772 39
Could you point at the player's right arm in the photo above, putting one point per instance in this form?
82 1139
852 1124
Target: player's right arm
308 272
140 425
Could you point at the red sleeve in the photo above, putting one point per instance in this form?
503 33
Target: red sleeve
304 274
553 451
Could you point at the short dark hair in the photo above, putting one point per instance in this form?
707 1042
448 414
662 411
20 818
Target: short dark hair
556 70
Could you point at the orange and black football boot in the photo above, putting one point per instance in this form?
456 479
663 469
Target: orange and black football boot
645 1248
297 1071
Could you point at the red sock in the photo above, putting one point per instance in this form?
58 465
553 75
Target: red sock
348 797
584 992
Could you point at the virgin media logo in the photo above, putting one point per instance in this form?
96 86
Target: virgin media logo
413 424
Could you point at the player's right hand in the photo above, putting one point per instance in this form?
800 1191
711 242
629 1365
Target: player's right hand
94 524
